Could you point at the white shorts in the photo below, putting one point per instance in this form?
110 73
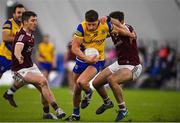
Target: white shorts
33 69
136 70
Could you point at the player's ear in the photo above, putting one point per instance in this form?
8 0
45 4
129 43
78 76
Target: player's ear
122 21
13 14
25 22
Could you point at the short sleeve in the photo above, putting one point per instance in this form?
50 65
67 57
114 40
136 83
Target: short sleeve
7 25
131 29
79 31
21 38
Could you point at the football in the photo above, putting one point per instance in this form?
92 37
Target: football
91 52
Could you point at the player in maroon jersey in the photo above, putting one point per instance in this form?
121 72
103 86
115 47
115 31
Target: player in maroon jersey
69 59
25 71
126 68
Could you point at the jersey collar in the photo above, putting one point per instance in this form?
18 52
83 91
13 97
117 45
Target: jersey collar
17 22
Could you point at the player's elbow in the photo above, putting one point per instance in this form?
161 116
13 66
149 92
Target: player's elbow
4 37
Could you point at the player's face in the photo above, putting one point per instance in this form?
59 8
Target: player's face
32 23
92 26
46 38
18 13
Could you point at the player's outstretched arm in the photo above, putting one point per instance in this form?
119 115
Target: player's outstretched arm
105 19
117 26
117 23
123 32
17 52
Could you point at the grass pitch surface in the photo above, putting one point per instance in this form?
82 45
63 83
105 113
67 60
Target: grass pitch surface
143 105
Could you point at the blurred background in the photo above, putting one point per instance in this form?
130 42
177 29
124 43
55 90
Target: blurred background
156 22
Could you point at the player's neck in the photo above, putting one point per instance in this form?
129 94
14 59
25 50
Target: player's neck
17 21
27 31
46 42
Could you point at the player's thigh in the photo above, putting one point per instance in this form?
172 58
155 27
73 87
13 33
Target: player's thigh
88 74
32 77
101 78
121 76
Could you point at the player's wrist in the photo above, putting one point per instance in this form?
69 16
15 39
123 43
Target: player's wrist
86 59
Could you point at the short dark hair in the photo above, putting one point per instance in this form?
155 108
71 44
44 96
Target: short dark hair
117 15
26 15
91 16
17 6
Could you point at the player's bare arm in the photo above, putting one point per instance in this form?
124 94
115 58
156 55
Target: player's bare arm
6 35
117 26
76 50
123 32
17 52
104 19
117 23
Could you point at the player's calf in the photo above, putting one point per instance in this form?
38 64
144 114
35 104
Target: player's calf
49 97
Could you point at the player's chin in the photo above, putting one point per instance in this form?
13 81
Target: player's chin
33 29
91 30
19 19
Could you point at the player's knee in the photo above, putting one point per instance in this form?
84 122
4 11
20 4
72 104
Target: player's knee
82 83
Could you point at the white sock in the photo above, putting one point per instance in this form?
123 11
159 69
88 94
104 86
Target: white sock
10 92
122 106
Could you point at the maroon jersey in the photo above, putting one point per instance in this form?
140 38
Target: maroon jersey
28 41
71 55
126 50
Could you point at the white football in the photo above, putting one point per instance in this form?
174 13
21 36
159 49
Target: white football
91 52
